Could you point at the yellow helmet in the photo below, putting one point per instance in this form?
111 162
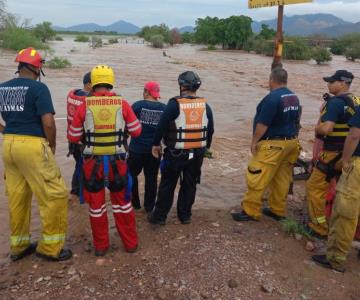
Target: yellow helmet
102 74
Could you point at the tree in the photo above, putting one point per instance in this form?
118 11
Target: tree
157 41
209 31
321 55
148 32
237 31
175 37
266 33
353 52
188 37
44 32
297 49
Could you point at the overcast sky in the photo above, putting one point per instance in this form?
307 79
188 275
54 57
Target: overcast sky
172 12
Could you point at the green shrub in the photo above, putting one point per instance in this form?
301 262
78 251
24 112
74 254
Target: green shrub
96 42
337 47
321 55
58 63
211 47
353 52
157 41
259 46
58 38
113 41
82 38
297 49
16 35
292 227
20 38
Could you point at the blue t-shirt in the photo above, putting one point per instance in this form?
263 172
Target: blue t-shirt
148 113
355 122
334 110
22 103
280 111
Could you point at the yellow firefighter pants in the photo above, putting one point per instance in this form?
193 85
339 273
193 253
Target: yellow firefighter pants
271 167
316 189
30 168
345 215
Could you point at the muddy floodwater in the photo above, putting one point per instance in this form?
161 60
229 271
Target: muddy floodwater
233 82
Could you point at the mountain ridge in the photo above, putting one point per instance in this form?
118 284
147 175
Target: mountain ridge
302 25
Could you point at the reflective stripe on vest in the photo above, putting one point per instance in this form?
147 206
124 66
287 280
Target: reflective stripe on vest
190 130
341 129
104 125
73 102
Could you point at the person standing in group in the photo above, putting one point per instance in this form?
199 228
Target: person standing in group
100 122
187 127
333 130
275 149
30 166
74 99
148 111
346 211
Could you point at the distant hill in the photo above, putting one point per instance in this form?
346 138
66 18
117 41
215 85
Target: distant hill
186 29
312 23
119 27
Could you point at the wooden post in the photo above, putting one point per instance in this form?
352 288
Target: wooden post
279 39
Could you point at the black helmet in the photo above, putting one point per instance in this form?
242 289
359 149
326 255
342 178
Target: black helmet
189 80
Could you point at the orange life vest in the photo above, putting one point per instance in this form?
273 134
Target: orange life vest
189 129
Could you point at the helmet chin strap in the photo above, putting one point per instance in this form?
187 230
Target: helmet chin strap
38 74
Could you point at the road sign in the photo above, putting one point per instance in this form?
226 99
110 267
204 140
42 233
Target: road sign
266 3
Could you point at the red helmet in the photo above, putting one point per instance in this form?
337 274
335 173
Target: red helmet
30 56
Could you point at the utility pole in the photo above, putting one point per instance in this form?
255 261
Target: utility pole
279 40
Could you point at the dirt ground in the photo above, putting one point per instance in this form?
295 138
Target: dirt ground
214 257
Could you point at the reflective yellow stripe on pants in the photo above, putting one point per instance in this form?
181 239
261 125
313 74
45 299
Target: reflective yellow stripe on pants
30 168
316 189
271 167
53 239
345 215
19 240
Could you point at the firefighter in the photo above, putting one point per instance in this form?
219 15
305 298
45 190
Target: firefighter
30 167
100 122
148 112
346 210
275 149
333 130
187 127
74 99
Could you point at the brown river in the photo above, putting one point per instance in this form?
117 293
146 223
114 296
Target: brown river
233 82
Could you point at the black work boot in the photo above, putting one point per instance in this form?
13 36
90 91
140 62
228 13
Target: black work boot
268 212
155 221
242 217
136 204
28 251
322 261
99 253
64 254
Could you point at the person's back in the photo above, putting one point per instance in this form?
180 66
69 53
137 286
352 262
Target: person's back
27 109
100 124
148 111
23 101
280 111
187 128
